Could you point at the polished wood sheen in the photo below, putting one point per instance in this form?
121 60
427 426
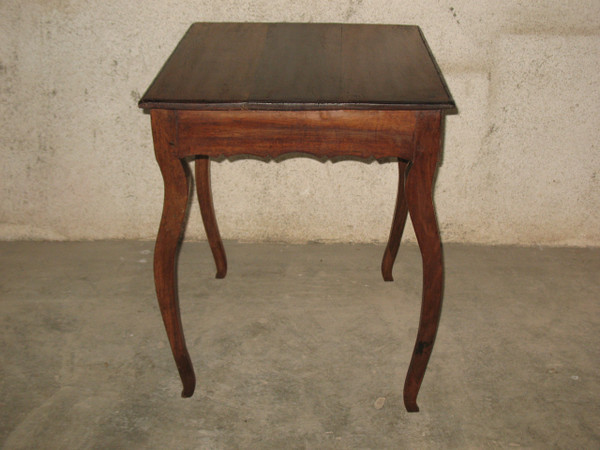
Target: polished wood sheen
299 66
328 90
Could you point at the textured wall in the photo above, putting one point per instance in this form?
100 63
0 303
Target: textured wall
520 163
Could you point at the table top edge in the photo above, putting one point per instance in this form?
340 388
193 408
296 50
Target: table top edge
289 106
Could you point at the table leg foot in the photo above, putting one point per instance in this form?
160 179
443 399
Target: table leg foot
189 383
419 195
400 213
177 188
411 405
203 189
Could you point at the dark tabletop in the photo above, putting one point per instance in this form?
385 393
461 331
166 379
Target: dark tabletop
290 66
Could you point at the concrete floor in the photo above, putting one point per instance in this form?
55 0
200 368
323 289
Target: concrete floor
294 348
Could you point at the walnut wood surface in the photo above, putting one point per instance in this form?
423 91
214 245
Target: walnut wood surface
419 198
327 90
366 134
400 213
169 236
299 66
208 214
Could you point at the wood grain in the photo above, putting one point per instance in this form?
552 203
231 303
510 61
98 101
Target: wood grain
299 66
419 198
202 169
170 232
398 222
367 134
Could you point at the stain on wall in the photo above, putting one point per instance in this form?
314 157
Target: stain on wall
520 163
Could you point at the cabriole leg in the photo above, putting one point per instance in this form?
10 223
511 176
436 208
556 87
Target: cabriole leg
419 196
400 213
204 192
170 233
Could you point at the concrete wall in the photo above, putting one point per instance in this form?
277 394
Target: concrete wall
520 165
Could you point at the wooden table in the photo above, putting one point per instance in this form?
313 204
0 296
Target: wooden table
329 90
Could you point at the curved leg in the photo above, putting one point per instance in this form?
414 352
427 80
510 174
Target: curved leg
202 169
400 213
170 232
419 190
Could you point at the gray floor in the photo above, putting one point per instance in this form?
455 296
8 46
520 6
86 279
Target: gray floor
294 348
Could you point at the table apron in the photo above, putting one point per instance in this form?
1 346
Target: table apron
354 133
